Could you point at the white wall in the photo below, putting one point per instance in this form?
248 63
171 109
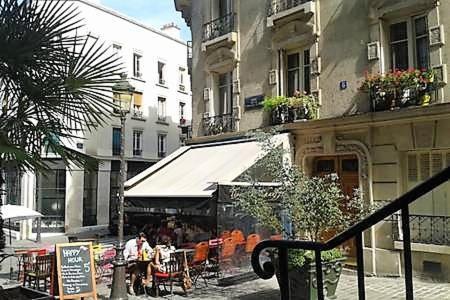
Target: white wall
153 46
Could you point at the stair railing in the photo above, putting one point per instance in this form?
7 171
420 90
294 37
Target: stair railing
267 270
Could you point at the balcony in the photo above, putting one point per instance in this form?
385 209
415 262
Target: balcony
161 154
137 152
432 230
137 114
219 33
280 12
218 124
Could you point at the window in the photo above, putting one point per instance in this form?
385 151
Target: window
224 7
181 72
161 109
116 141
162 144
298 72
90 199
161 71
137 142
225 93
181 113
409 44
137 67
51 198
137 105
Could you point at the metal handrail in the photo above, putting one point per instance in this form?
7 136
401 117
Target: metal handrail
277 6
355 231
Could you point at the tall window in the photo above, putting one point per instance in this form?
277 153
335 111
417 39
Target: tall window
116 141
409 44
137 142
298 72
137 65
162 144
161 71
181 109
161 109
181 74
224 7
225 88
51 199
90 199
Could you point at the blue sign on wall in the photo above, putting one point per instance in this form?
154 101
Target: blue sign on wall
343 85
254 101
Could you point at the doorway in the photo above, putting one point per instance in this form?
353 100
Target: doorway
347 168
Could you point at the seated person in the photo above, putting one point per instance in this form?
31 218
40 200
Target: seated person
134 250
160 259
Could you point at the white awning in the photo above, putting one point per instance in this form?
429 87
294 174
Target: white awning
193 171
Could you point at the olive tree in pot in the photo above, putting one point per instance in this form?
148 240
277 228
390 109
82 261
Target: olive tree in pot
315 207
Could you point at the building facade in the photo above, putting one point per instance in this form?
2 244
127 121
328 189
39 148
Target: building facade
158 123
382 141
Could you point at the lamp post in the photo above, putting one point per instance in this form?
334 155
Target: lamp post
122 94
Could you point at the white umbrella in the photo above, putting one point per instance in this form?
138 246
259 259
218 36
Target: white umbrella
17 213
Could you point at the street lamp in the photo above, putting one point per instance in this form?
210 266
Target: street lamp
122 94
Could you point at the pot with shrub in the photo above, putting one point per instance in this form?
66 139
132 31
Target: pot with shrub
290 109
315 207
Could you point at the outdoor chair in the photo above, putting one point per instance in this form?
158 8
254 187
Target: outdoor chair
38 271
175 273
252 240
238 237
225 234
227 253
197 266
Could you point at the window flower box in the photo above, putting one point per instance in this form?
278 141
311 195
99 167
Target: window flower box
399 89
283 110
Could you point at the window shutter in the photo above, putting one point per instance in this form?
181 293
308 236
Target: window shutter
424 166
373 50
436 163
412 168
437 36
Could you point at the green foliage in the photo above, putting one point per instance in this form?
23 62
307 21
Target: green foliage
316 206
298 258
54 82
299 100
271 103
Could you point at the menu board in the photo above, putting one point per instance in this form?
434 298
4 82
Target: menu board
75 267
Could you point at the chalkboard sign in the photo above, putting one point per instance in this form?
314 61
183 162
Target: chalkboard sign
75 267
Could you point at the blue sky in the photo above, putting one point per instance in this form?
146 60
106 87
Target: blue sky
151 12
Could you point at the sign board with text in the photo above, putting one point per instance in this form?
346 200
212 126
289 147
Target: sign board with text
76 270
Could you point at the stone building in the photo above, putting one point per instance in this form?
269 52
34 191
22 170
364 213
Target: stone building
384 143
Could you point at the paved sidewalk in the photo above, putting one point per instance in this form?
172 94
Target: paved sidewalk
376 289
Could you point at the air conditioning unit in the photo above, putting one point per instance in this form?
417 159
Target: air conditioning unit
206 115
273 77
373 50
437 36
206 94
236 87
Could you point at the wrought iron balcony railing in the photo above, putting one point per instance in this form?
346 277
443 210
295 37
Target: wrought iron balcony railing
278 6
218 124
434 230
218 27
137 152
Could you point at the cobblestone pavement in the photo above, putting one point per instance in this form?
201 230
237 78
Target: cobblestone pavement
376 288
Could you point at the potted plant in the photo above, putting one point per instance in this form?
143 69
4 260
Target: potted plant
289 109
302 208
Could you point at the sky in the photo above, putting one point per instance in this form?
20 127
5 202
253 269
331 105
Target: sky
154 13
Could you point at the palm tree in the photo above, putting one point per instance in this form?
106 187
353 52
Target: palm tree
55 83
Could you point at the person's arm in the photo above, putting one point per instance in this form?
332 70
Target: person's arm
126 251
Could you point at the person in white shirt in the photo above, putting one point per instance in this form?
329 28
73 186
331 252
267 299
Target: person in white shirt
160 259
134 250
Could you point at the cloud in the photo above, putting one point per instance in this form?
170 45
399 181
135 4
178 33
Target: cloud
154 13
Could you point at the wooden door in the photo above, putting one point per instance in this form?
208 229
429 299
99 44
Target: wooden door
347 168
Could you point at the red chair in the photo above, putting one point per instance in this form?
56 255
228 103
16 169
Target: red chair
252 241
276 237
174 272
197 267
238 237
227 253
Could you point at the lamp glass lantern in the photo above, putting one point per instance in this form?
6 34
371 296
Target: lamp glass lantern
123 95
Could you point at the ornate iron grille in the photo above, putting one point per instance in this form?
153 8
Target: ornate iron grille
278 6
218 124
218 27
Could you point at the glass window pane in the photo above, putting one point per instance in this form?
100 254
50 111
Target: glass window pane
421 27
293 82
399 54
422 53
307 80
293 61
306 58
399 32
